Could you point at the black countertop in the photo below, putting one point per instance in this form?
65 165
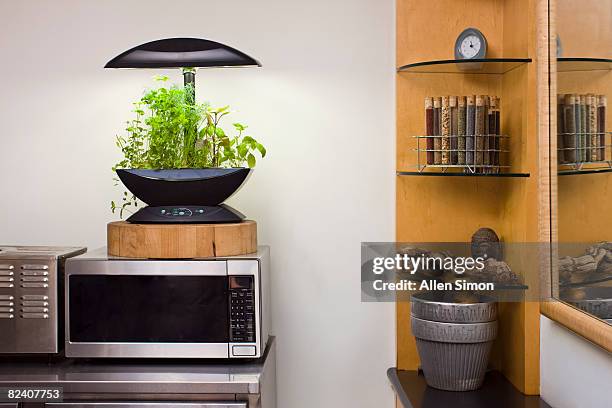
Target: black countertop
496 392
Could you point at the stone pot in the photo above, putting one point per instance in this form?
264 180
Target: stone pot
454 350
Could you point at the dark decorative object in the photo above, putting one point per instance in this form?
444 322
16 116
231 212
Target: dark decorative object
485 244
594 266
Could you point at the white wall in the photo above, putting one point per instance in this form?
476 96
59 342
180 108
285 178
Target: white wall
323 105
574 372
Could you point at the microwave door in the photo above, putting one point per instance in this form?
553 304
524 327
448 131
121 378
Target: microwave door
180 311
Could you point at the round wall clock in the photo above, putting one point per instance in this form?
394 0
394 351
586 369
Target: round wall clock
471 44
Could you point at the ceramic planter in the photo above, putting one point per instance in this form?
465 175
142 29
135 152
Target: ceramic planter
207 187
453 339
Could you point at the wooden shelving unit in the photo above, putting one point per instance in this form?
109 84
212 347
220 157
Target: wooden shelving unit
451 209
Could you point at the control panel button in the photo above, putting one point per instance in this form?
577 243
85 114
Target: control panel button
241 351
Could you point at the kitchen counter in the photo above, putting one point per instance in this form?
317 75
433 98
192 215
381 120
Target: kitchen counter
253 381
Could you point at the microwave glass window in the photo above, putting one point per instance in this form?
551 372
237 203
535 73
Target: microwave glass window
133 309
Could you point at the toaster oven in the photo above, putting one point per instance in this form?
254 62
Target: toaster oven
31 298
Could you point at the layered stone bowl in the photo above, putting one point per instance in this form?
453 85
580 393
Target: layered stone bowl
454 336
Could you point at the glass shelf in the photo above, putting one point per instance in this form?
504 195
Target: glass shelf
583 64
583 171
455 174
474 66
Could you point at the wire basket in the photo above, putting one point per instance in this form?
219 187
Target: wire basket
474 154
584 150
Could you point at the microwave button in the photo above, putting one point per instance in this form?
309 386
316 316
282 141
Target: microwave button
34 285
35 310
6 285
35 316
6 316
40 303
243 350
35 267
34 273
34 279
35 297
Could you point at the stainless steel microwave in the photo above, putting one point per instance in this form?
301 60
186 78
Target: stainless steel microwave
143 308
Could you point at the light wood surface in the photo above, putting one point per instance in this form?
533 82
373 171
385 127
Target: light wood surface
439 209
176 241
596 331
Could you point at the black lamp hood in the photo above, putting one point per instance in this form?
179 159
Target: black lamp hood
181 52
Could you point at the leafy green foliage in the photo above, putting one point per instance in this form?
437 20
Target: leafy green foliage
170 131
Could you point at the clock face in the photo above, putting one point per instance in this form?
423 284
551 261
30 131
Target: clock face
470 46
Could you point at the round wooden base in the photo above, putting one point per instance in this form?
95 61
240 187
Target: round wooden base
181 241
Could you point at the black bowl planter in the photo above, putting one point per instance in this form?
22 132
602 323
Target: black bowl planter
207 187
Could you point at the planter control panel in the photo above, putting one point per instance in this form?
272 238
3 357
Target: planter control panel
188 214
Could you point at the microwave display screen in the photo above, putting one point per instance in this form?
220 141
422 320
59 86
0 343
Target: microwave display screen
241 282
147 308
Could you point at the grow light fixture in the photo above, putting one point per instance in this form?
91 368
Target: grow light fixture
182 53
184 195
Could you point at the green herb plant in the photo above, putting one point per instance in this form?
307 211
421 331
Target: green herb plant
170 130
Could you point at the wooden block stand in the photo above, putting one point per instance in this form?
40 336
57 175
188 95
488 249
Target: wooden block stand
180 241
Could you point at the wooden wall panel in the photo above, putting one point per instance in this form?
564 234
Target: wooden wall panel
426 30
439 209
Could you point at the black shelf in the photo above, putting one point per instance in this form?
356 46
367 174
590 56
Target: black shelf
602 279
497 391
583 171
510 287
455 174
473 66
583 64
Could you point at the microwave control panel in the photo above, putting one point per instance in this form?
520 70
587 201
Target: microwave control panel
242 309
